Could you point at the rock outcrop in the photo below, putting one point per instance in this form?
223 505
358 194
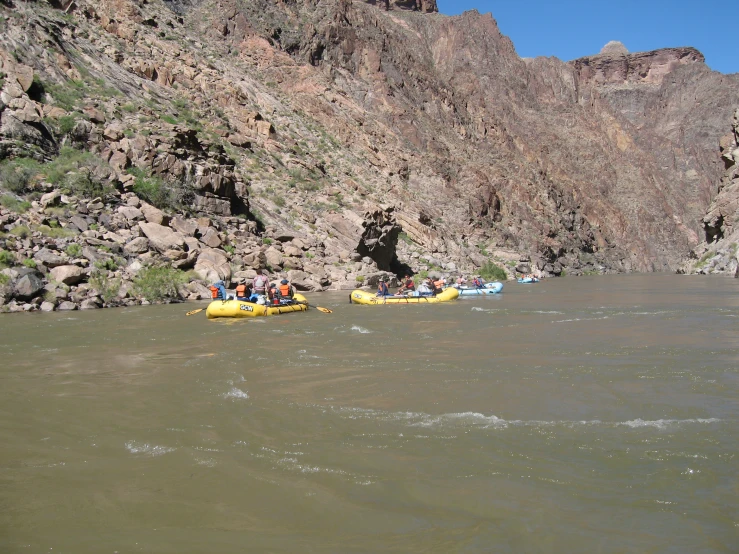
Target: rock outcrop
717 253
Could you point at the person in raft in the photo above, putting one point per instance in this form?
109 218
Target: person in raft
382 289
478 282
243 291
285 292
260 283
426 288
218 291
408 285
439 285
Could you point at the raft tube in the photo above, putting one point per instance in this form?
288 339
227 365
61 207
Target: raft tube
488 288
527 280
239 308
366 297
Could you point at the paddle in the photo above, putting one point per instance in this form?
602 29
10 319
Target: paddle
319 308
193 312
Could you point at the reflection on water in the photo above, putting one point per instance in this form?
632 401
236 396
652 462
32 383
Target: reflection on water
576 415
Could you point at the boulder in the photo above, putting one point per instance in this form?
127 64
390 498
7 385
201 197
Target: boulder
130 213
28 287
161 237
211 238
199 290
53 198
186 227
49 258
91 304
290 250
212 265
47 306
66 305
79 223
303 282
139 245
154 215
274 257
67 274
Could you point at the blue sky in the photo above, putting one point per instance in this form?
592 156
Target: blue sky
570 29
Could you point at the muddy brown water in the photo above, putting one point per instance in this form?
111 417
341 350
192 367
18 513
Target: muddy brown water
592 414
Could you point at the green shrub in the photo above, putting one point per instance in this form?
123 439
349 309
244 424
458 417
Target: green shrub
491 270
106 286
279 201
405 238
4 279
14 204
17 175
6 258
28 262
156 284
230 249
85 185
359 278
74 250
55 232
66 95
169 119
21 231
159 193
73 171
108 264
266 240
66 123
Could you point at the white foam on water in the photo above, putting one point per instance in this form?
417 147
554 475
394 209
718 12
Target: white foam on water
358 329
580 319
236 393
664 423
151 449
476 419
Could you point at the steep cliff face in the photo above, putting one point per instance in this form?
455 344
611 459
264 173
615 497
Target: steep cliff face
717 253
303 116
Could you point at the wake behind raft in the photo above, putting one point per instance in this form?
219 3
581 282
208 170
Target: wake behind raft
241 308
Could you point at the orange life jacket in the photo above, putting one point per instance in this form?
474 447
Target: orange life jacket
438 284
241 291
213 292
285 290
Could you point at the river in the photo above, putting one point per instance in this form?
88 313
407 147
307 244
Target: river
579 415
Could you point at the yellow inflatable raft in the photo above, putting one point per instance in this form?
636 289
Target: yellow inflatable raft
366 297
239 308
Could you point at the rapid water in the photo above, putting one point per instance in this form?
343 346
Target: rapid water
591 414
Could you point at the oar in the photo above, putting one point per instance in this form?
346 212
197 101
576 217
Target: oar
319 308
193 312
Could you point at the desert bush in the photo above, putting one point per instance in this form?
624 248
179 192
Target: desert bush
157 284
107 286
14 204
17 175
108 264
157 192
6 258
491 270
55 232
73 250
21 231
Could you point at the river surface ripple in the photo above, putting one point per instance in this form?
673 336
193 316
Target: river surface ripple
591 414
